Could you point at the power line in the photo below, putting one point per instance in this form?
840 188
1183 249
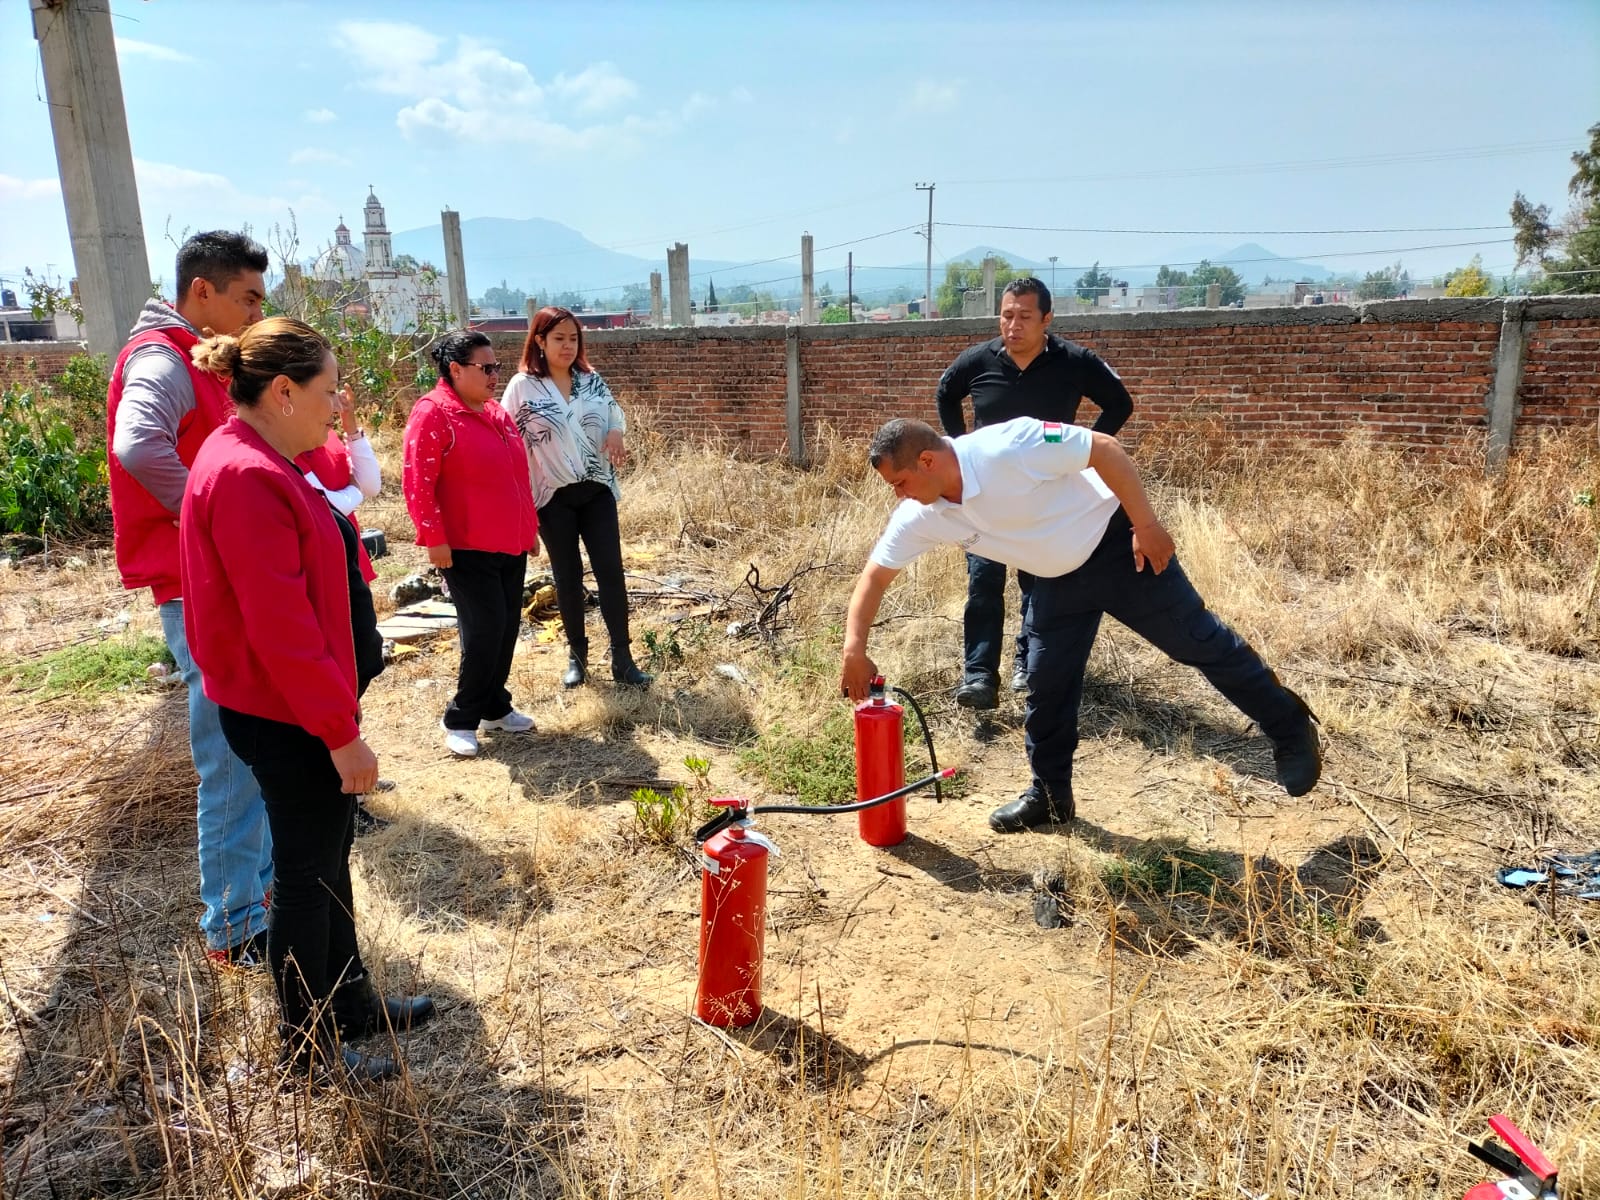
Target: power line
1305 164
1229 232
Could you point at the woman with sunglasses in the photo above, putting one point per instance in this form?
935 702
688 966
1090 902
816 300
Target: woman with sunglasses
468 492
573 429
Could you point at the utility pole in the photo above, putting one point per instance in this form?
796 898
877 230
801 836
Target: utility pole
927 291
850 286
656 319
1052 274
808 306
95 161
678 284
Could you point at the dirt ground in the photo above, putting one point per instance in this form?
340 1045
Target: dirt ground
899 981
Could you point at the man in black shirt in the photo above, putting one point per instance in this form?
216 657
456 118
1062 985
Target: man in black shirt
1025 372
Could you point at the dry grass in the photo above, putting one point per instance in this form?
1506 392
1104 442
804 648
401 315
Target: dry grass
1330 998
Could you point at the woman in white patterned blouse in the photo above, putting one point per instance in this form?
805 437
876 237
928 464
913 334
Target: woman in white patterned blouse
573 428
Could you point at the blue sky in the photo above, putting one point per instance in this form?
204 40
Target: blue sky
736 126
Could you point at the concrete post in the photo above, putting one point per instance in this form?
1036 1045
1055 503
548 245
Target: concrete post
988 286
1213 295
84 89
532 307
678 284
791 396
1504 391
808 303
656 319
455 266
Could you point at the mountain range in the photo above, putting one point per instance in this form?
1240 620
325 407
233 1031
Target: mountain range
543 257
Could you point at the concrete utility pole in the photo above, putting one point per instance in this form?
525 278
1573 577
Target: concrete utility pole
808 304
532 309
95 161
927 293
455 266
1053 274
678 284
988 285
655 300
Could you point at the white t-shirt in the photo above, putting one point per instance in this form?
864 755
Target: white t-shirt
1028 499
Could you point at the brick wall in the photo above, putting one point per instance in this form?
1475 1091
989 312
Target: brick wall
1416 373
27 362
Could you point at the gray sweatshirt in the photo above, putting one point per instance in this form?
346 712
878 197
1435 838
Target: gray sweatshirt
157 393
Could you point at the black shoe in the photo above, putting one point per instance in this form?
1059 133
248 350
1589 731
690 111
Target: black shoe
629 675
1033 808
322 1062
1019 679
360 1010
577 672
977 693
368 821
384 785
1298 756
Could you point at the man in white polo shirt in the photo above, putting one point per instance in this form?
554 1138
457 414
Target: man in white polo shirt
1064 504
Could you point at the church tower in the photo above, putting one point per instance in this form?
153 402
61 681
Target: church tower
380 255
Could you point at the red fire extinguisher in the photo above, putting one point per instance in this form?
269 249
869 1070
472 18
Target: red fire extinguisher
733 917
880 767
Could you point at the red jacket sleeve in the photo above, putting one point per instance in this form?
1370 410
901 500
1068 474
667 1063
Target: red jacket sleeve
258 542
428 437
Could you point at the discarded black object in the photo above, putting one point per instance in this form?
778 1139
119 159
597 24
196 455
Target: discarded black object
1576 875
377 545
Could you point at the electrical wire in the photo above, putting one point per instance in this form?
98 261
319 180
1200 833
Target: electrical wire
1229 232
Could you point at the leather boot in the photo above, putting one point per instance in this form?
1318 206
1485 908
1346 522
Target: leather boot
1298 755
626 673
577 672
979 693
360 1010
321 1059
1037 806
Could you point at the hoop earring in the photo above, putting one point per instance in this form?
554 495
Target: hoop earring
287 410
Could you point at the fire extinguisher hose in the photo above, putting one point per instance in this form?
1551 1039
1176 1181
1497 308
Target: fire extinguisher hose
823 809
927 740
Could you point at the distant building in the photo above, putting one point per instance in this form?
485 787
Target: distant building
400 295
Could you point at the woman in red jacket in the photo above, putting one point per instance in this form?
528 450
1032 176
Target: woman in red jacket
467 489
266 570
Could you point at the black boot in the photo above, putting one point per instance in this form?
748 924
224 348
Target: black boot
360 1010
323 1059
1298 754
978 692
1037 806
626 673
577 672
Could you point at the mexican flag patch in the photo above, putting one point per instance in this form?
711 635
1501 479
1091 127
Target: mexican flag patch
1053 431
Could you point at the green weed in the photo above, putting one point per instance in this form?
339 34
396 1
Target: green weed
1166 869
104 666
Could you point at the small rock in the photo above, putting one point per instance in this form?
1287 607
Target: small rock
933 935
1052 903
730 671
8 563
157 671
735 629
76 563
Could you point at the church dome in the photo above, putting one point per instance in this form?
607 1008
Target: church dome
342 260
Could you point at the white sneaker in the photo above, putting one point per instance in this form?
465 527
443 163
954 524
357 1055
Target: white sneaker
512 722
463 743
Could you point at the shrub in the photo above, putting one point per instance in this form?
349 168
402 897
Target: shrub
47 483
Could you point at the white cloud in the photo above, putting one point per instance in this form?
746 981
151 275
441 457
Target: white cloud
320 116
930 97
471 91
312 155
595 89
12 188
129 47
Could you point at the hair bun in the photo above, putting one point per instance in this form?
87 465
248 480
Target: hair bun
218 354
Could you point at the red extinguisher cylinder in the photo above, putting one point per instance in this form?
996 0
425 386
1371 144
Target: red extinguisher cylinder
733 926
880 768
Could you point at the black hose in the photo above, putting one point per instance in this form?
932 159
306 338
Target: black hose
927 739
804 809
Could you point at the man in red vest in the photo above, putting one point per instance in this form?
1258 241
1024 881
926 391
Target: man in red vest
159 409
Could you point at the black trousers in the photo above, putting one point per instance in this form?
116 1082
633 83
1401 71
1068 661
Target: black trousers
487 590
1165 610
311 926
983 620
587 511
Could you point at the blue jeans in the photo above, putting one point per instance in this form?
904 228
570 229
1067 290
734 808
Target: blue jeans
984 619
1167 612
235 845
